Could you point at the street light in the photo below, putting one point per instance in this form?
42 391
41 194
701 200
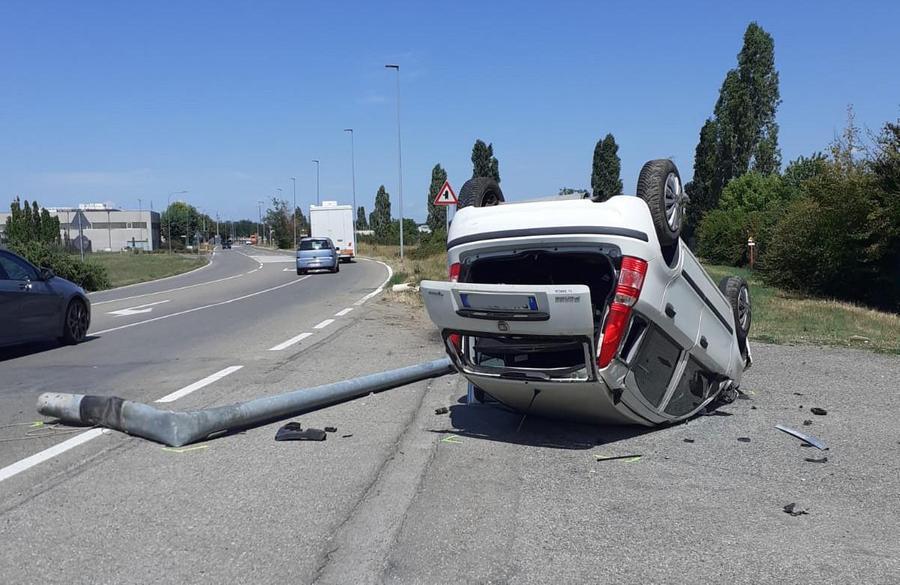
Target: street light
280 191
259 224
399 157
353 171
294 179
169 218
317 182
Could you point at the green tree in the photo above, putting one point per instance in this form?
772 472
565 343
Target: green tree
302 223
484 163
278 223
703 188
606 169
802 169
437 214
743 124
180 222
49 228
380 220
361 221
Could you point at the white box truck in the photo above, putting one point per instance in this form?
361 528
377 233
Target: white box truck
334 221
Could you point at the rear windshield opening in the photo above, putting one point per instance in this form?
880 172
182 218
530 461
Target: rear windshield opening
543 267
314 245
564 357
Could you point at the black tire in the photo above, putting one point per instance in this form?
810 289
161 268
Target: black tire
737 292
659 185
480 192
337 267
76 322
300 272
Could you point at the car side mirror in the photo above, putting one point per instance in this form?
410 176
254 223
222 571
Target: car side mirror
47 274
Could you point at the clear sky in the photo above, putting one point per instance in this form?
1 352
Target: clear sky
115 101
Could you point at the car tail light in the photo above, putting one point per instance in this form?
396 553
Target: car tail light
455 338
628 289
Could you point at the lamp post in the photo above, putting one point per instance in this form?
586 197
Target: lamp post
353 173
259 223
294 180
399 157
278 196
169 218
317 182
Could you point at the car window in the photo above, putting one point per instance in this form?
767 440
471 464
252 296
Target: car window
16 268
314 245
654 364
691 391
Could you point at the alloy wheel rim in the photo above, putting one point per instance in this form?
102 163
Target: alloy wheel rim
77 321
673 201
744 308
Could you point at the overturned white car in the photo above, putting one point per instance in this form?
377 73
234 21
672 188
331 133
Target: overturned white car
591 311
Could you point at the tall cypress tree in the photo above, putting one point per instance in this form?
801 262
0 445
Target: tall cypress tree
743 127
437 214
381 216
484 163
606 169
361 221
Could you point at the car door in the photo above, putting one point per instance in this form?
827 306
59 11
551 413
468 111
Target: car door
37 307
10 296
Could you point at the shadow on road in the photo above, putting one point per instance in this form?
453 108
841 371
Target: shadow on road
26 349
494 422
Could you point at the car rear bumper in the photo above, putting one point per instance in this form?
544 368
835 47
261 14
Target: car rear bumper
314 263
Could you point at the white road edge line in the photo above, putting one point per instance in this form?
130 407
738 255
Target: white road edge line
324 324
150 281
29 462
185 312
380 287
199 384
343 312
290 342
94 304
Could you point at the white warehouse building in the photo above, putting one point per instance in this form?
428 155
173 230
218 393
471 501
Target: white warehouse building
103 228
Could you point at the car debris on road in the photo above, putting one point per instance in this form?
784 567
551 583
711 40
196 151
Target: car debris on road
807 439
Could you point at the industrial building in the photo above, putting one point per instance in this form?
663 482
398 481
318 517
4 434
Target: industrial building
98 227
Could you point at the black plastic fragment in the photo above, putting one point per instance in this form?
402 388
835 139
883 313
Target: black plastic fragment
818 411
330 429
441 410
292 432
744 439
795 510
807 422
688 440
816 459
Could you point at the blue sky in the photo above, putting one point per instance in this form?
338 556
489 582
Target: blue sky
115 101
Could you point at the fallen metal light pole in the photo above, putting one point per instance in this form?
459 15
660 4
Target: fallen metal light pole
180 428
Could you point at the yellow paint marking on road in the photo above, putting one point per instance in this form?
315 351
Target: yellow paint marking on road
37 424
453 439
185 449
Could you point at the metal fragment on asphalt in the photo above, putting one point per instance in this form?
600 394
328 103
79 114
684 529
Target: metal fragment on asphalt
626 458
795 510
818 411
803 437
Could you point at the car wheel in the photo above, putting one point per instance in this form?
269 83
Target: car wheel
337 267
480 192
76 322
737 292
659 185
300 272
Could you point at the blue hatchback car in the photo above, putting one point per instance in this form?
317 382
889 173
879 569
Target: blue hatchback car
316 253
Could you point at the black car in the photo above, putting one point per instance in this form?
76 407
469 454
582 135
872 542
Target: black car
36 304
226 245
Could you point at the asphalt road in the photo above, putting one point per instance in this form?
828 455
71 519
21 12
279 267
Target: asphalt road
402 495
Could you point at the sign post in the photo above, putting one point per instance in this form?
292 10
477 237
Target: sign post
446 198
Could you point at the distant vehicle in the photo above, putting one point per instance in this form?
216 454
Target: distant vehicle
253 240
316 253
334 221
226 245
36 304
589 310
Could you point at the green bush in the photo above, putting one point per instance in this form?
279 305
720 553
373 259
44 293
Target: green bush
88 275
722 237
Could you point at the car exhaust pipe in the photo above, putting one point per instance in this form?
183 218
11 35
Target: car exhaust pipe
176 429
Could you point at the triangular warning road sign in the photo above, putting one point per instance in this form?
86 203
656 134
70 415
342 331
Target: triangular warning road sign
445 196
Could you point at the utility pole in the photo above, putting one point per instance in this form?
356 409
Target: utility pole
399 158
318 202
353 173
259 225
141 218
294 180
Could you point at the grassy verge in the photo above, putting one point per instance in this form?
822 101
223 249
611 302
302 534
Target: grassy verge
782 317
130 268
778 316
